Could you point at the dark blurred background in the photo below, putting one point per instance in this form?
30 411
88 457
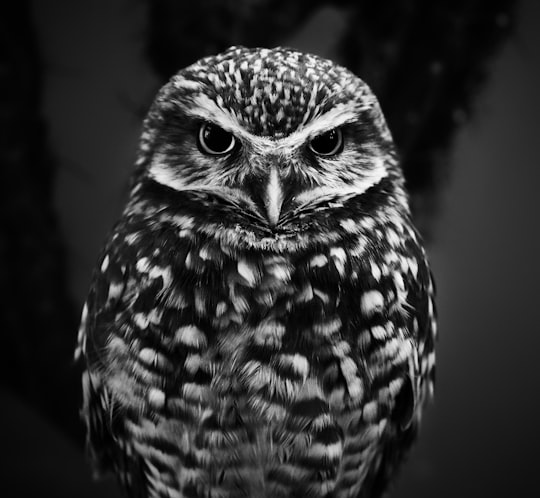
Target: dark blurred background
459 82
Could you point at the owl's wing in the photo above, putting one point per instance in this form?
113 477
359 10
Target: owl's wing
106 442
418 386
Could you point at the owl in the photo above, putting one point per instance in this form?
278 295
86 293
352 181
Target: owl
261 321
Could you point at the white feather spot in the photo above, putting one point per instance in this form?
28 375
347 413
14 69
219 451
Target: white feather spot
327 328
189 261
280 272
395 386
186 84
148 356
115 290
240 304
371 302
318 261
143 265
413 267
132 239
194 392
297 362
221 308
349 225
431 361
105 263
117 345
154 316
378 332
398 281
369 412
248 272
192 363
141 320
204 253
341 349
192 336
350 373
339 256
182 221
156 398
392 237
81 336
367 223
323 296
305 295
331 451
163 272
375 271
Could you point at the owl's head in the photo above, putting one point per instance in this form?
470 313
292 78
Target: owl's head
276 137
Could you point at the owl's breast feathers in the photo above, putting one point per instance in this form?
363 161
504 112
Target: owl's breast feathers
220 371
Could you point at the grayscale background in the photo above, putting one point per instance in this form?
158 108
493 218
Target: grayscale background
481 436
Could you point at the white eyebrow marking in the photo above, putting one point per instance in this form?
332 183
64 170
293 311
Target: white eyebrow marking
205 108
369 178
338 116
160 171
186 84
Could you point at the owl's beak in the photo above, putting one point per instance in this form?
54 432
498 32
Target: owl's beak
273 197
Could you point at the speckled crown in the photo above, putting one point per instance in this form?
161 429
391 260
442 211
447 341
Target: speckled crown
277 89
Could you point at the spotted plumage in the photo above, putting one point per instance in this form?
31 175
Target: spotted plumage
261 321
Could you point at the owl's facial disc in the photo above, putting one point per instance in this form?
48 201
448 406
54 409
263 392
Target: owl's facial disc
276 179
278 142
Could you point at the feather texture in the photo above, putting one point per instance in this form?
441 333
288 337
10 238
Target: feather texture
231 356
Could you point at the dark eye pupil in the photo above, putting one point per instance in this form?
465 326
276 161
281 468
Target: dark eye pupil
328 143
215 140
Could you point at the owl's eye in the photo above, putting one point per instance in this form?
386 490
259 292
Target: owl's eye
327 144
215 140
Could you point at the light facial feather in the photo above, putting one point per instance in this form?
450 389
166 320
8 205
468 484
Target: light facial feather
349 173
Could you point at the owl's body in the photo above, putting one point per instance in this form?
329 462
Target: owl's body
261 321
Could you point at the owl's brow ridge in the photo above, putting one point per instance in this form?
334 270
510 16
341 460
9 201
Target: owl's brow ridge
208 110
